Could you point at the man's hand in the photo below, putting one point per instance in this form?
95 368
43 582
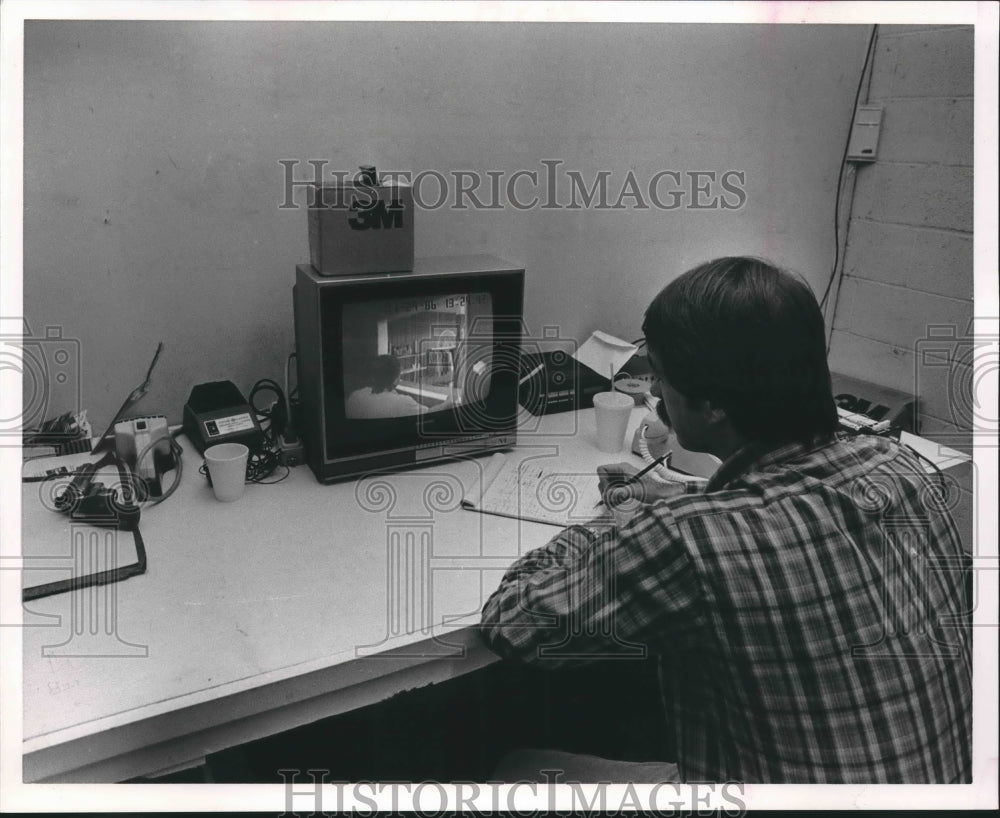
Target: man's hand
647 489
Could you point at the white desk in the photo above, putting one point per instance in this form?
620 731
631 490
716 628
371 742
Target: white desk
297 602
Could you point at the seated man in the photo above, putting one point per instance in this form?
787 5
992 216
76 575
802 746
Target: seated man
807 605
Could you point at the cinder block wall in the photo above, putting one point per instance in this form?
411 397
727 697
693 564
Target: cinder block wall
908 262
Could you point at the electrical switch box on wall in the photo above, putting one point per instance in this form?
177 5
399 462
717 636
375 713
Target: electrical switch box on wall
864 134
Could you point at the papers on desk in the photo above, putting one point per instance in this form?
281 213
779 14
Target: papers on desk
941 456
524 490
605 354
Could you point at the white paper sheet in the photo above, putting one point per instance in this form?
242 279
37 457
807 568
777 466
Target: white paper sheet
942 456
604 353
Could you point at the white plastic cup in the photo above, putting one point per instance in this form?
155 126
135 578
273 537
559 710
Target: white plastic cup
612 411
227 464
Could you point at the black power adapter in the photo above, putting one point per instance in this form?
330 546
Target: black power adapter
217 412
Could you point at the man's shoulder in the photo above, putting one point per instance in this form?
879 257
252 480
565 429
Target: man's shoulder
842 460
797 472
798 499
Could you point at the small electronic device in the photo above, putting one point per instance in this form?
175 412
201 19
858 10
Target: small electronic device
558 382
217 412
863 143
398 370
144 443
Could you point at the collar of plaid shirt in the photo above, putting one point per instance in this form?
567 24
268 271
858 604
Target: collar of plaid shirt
752 456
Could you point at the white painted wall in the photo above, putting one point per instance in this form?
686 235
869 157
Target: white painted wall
152 181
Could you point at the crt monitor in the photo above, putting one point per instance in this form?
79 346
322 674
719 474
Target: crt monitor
401 369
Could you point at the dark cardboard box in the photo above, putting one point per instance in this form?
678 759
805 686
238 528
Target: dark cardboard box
875 402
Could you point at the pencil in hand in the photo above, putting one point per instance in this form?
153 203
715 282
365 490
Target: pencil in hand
664 458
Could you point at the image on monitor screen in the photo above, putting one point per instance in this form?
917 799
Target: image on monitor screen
415 355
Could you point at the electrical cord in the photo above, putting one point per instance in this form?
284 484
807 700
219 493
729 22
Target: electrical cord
276 414
843 166
176 451
62 471
263 463
290 394
260 466
127 479
662 473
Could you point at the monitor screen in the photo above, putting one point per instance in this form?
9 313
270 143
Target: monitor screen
400 369
408 356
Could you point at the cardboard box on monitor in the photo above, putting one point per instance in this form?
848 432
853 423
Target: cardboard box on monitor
357 228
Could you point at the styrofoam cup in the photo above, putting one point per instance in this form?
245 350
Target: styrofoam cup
227 464
612 411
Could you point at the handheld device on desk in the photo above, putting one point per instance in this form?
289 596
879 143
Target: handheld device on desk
145 444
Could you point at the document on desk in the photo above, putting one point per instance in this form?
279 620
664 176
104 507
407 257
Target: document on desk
510 487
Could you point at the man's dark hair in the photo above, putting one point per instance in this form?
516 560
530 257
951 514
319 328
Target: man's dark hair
750 338
384 373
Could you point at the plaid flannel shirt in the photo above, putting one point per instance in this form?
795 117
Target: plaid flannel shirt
807 608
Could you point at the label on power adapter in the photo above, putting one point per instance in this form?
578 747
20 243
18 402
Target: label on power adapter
228 425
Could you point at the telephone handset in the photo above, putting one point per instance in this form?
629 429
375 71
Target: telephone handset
653 439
